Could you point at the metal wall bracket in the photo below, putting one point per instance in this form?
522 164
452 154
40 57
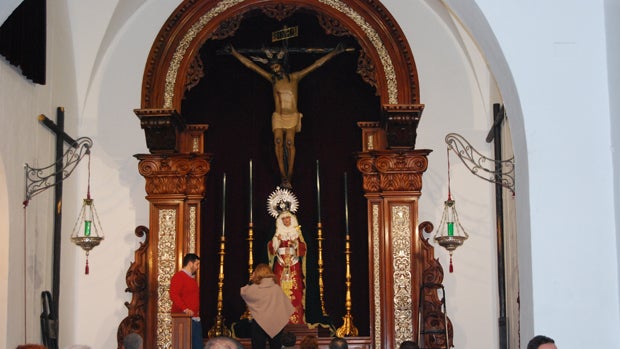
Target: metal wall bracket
494 171
39 179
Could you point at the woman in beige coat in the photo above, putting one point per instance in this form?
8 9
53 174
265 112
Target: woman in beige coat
269 306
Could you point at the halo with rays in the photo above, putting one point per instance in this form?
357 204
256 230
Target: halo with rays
281 200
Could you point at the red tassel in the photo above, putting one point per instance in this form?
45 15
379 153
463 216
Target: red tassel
86 270
451 267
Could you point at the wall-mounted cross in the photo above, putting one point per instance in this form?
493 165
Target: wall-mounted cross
40 179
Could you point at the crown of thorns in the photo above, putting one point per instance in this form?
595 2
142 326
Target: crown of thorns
281 200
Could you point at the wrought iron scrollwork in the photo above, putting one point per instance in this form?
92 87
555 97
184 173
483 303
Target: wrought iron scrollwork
494 171
39 179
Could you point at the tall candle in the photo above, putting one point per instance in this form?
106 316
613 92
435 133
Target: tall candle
251 218
318 192
346 204
224 204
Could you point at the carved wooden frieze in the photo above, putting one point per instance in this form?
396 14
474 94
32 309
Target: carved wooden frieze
279 11
227 28
162 128
392 171
367 70
332 26
175 173
401 124
195 72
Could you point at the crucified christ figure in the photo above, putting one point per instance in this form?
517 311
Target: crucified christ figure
286 119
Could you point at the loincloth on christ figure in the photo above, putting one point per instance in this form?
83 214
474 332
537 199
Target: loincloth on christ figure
286 121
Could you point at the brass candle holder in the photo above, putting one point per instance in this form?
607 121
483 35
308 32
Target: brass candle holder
347 329
320 264
247 314
319 228
219 328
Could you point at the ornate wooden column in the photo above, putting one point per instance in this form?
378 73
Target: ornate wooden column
175 174
392 181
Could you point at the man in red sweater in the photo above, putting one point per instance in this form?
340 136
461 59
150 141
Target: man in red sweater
185 295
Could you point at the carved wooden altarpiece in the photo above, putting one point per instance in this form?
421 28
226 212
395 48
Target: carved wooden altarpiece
175 170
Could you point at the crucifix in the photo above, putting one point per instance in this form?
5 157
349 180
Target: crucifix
286 118
495 136
38 180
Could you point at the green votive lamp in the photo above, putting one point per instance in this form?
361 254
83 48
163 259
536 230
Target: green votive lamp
87 228
450 228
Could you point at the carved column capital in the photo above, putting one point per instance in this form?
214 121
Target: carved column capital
180 174
392 170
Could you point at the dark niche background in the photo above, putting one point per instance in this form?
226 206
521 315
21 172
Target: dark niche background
237 104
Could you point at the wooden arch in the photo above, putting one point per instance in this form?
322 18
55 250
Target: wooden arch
390 65
177 167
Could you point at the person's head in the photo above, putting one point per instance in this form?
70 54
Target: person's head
286 220
132 341
309 342
262 271
408 345
191 262
288 339
277 60
222 342
541 342
338 343
276 68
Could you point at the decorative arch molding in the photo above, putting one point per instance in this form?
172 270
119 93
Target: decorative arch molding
389 57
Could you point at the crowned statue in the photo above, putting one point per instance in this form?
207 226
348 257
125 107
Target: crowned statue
287 250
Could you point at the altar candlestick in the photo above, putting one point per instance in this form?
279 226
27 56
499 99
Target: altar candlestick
318 192
224 204
346 204
251 218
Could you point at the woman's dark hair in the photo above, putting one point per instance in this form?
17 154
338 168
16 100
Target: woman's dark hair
288 339
409 345
538 341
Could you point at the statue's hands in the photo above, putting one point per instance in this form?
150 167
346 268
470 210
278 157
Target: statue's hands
230 49
339 48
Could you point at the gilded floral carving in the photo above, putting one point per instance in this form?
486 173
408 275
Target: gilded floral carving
401 262
166 259
376 271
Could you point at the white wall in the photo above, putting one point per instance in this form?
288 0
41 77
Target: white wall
612 11
551 75
23 141
7 8
118 188
559 69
